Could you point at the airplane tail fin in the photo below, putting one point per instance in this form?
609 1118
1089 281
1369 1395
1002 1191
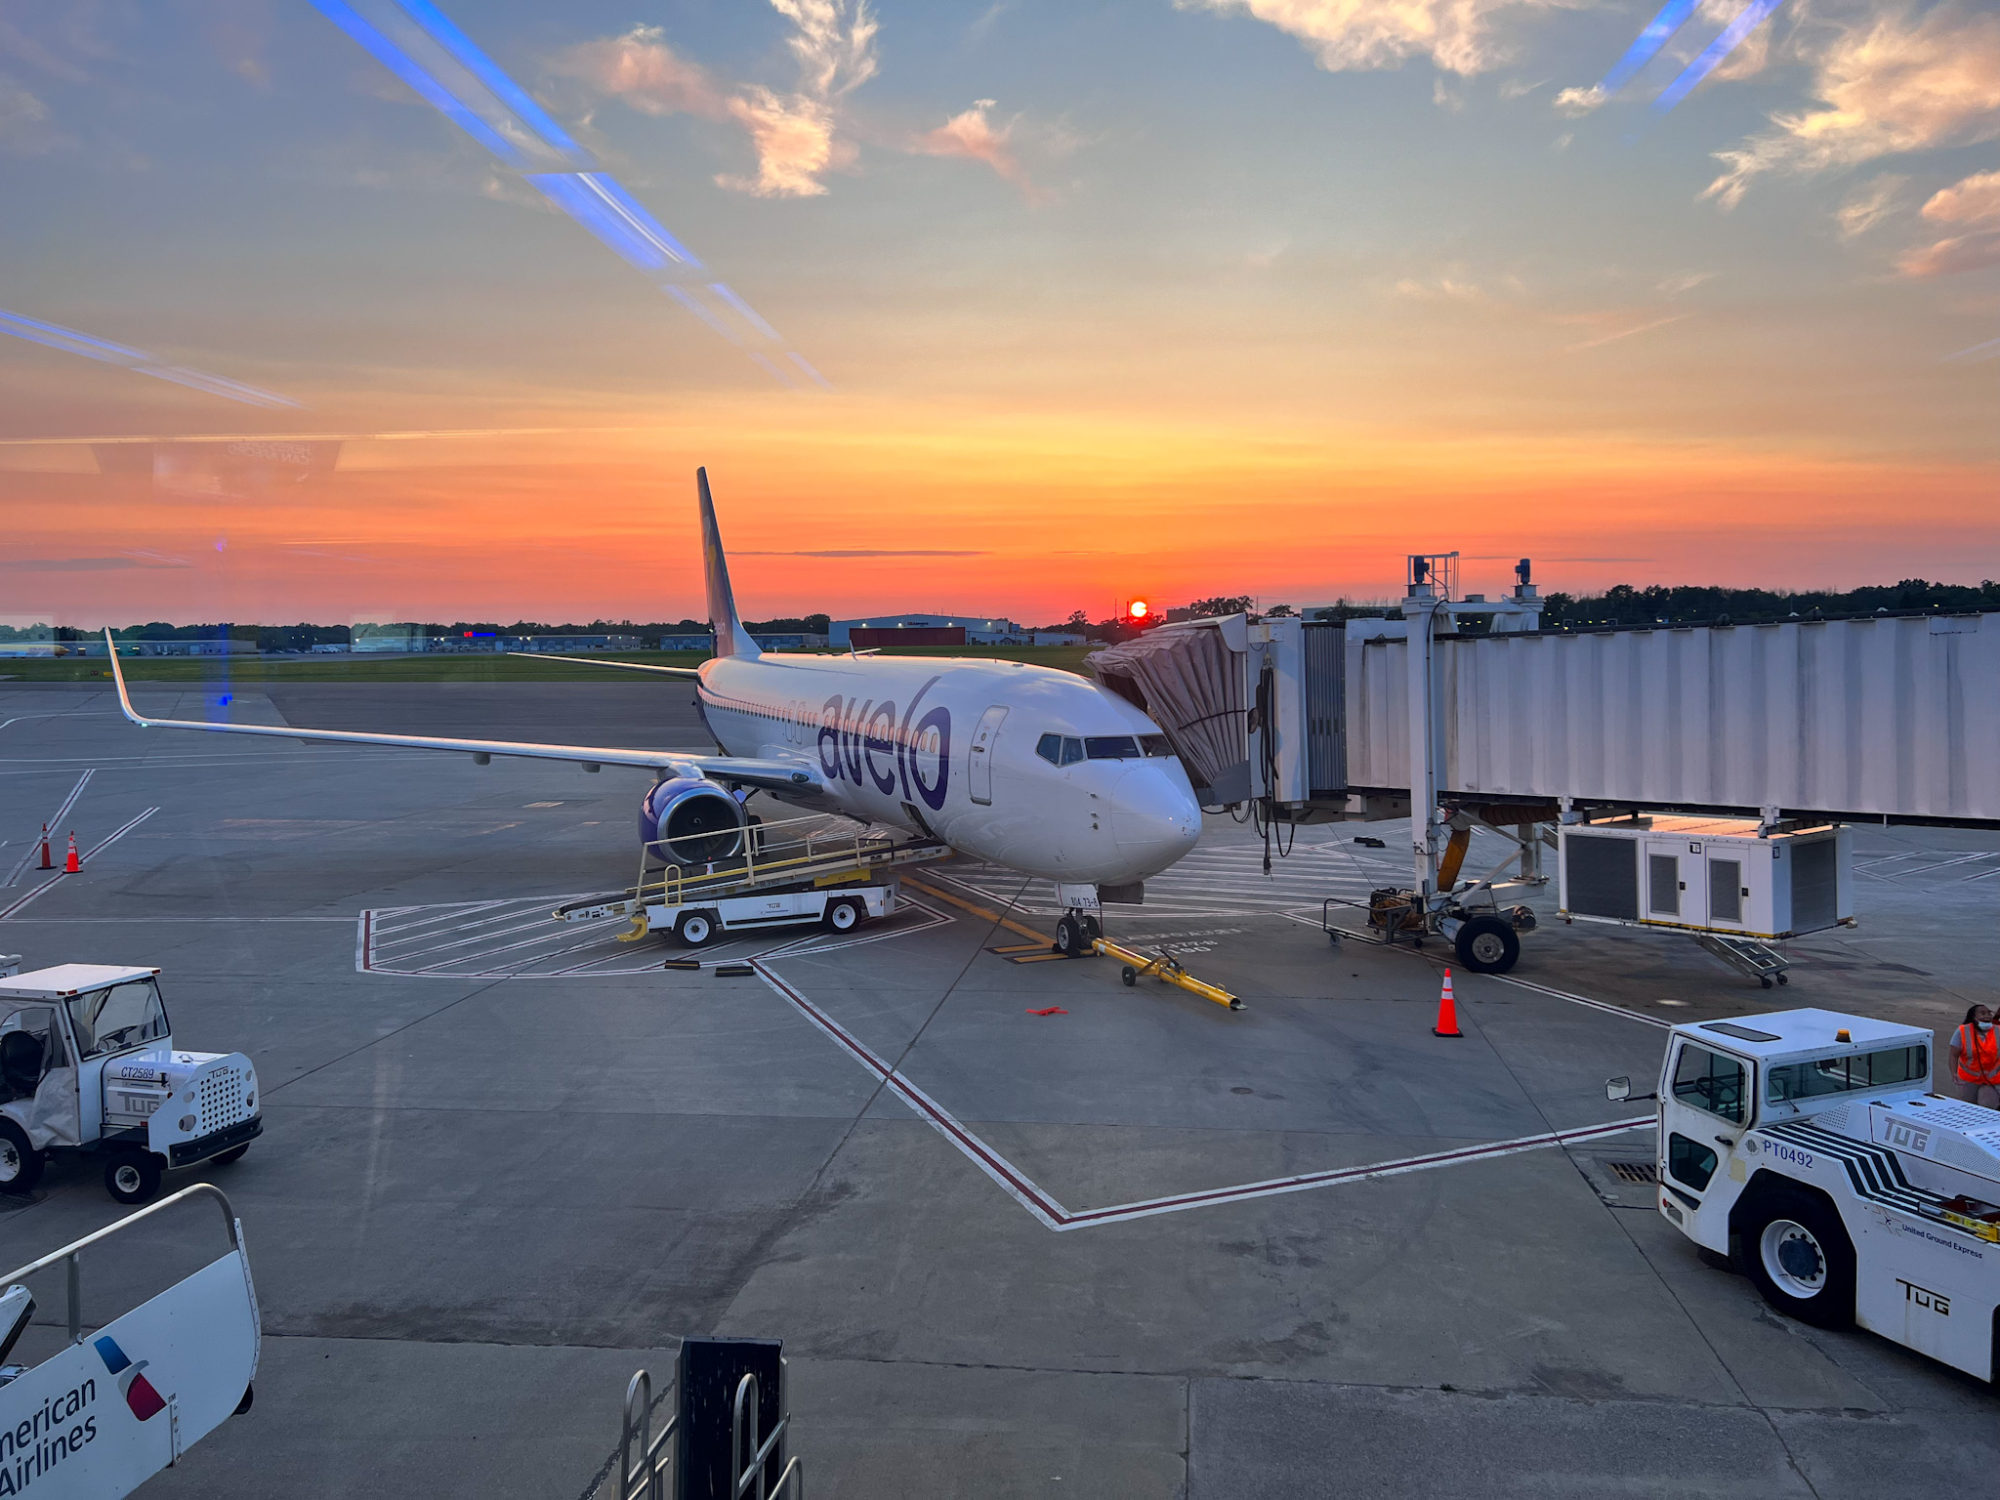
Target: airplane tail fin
731 639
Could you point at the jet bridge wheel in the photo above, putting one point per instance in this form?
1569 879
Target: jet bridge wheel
20 1162
1799 1256
1487 945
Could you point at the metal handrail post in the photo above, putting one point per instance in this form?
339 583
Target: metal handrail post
640 1384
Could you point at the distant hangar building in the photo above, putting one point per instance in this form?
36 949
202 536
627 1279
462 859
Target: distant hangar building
939 630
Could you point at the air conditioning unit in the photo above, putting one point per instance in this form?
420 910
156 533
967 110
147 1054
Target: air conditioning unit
1707 875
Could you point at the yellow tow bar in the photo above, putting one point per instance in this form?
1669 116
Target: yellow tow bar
1163 967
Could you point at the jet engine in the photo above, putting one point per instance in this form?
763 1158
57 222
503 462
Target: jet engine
690 821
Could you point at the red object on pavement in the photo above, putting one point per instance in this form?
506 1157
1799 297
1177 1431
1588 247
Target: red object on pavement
1053 1010
47 863
72 864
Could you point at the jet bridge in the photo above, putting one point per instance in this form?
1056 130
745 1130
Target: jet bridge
1468 712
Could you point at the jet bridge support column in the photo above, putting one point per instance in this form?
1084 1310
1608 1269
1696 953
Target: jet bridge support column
1427 832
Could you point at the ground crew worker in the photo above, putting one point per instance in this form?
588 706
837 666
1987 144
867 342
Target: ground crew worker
1975 1057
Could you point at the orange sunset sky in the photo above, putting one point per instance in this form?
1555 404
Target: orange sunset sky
1109 299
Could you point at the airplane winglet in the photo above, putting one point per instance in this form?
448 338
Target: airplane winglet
118 676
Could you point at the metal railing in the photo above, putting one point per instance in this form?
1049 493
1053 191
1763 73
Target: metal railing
750 1471
73 1251
650 1479
770 851
646 1460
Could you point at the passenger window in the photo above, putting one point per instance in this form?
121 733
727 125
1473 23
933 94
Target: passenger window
1709 1081
1072 751
1049 748
1112 747
1689 1161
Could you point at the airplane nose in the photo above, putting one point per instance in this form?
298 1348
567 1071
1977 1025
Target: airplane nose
1153 817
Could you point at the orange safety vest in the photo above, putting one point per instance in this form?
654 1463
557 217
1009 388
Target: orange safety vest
1978 1062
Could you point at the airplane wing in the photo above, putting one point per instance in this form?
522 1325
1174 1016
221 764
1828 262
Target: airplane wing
626 666
773 775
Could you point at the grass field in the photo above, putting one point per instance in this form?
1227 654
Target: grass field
434 668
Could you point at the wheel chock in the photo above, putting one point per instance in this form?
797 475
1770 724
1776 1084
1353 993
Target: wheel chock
1164 967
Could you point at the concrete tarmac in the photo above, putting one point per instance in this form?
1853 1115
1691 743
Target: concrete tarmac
482 1201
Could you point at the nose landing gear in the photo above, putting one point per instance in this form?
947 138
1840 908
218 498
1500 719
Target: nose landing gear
1076 931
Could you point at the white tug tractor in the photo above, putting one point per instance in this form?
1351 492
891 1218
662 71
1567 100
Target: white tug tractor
88 1064
1807 1147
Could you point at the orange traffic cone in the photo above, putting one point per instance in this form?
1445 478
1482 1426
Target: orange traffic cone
1447 1011
72 864
47 863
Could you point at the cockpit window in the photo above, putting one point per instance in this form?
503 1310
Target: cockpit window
1112 747
1060 750
1155 744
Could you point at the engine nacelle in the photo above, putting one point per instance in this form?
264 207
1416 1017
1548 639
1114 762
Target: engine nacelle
691 821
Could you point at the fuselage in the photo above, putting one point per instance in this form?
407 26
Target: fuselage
1026 766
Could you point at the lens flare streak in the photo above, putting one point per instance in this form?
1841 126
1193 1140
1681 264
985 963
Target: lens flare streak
69 341
1748 20
472 91
1648 44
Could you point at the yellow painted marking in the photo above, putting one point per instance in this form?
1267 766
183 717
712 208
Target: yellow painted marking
978 911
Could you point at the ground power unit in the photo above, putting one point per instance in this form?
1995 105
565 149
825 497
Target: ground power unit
1719 875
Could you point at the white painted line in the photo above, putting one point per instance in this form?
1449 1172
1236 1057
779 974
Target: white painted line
1306 1182
53 824
454 909
50 883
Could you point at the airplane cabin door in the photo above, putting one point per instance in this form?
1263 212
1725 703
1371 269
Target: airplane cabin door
981 754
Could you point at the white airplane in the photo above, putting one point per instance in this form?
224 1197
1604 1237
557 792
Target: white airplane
1029 767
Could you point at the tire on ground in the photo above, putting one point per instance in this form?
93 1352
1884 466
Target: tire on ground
20 1162
1798 1255
133 1176
1487 945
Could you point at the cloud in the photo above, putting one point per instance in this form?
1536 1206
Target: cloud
1358 35
1973 207
971 135
1444 289
795 133
644 72
1894 84
1576 102
1976 200
1869 205
25 129
1948 257
1675 286
84 564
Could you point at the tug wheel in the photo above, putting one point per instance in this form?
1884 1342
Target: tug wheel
20 1162
843 915
1800 1258
226 1158
132 1176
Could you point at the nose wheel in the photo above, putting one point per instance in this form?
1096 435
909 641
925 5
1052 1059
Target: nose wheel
1076 931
